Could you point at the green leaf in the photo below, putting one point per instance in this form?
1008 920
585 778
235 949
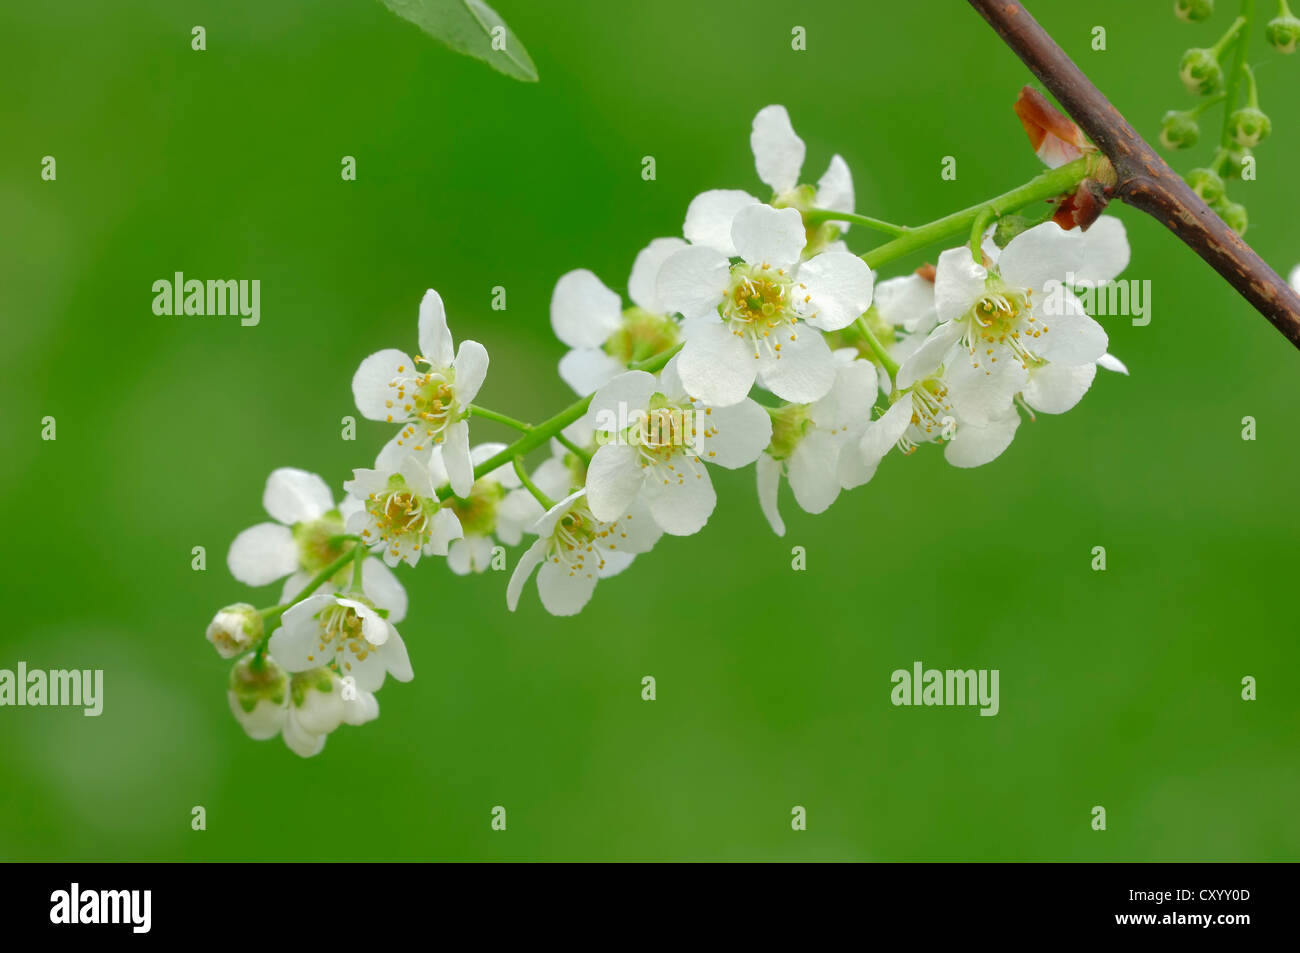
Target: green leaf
470 27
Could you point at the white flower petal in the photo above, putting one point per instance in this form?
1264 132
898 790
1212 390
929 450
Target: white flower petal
839 287
715 365
446 527
395 658
301 742
294 496
562 593
732 436
643 285
1056 388
533 555
982 393
881 435
583 311
587 369
907 302
813 472
471 368
436 345
1069 336
768 236
1040 254
693 281
613 480
1109 362
683 505
958 283
382 587
835 190
371 384
611 407
975 446
768 472
709 218
1105 251
778 151
455 456
803 373
295 643
262 554
925 360
850 399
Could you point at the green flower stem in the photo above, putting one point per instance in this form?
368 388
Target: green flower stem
573 448
358 557
982 221
1204 104
887 362
1048 185
532 487
476 411
538 435
1238 67
818 215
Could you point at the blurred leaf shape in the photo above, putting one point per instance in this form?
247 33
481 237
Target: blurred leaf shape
470 27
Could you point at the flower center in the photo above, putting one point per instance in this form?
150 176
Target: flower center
932 415
339 635
580 541
1001 321
319 542
402 518
425 402
760 307
478 511
641 336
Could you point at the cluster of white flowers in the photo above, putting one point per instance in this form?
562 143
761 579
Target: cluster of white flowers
755 338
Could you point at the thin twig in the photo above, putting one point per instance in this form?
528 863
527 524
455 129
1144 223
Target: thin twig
1145 180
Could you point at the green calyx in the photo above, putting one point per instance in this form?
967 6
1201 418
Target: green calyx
256 678
642 336
317 679
790 423
478 511
1193 11
1283 32
1200 71
320 541
1208 184
1179 130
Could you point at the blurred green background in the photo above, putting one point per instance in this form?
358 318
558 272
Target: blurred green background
1119 688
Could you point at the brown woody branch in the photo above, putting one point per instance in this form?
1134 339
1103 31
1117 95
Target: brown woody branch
1145 180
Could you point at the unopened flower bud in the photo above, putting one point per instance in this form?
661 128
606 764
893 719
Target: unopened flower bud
1249 126
1200 71
1179 130
258 691
235 629
1234 162
1234 214
1284 33
1207 184
1193 11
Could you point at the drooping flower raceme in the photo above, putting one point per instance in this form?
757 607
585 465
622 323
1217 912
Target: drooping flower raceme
603 336
768 294
655 443
762 317
428 395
